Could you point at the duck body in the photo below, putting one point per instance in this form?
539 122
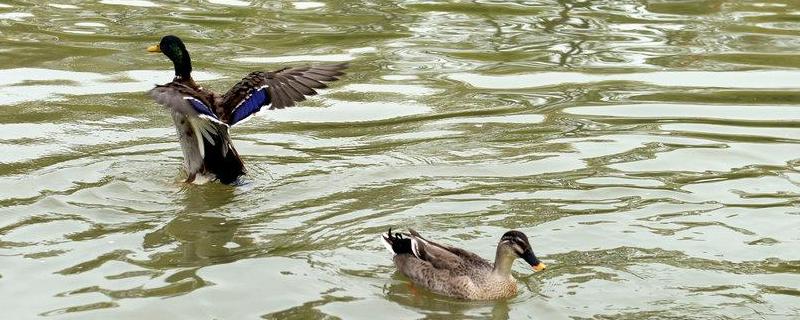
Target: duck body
208 151
203 118
456 272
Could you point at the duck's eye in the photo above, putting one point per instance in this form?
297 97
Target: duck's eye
517 248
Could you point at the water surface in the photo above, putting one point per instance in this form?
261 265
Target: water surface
648 148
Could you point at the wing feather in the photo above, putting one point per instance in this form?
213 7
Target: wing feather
311 83
301 88
284 88
282 100
445 250
250 105
183 100
199 135
286 85
320 76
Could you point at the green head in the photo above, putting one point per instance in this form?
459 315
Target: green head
172 47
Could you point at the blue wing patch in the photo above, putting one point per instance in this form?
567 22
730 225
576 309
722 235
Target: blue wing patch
203 110
200 107
251 105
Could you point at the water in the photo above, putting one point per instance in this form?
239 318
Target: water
649 149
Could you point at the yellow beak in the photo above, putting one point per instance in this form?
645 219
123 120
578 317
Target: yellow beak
539 267
155 48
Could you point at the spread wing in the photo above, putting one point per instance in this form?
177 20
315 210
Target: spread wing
185 101
278 89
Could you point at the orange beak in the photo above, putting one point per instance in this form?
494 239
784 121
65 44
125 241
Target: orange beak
539 267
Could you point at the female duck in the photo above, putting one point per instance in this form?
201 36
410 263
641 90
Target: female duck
203 118
459 273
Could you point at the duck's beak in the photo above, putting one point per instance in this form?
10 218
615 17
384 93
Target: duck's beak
531 259
154 48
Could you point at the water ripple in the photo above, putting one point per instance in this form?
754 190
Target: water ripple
648 149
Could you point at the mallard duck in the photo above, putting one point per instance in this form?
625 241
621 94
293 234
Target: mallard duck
457 272
203 118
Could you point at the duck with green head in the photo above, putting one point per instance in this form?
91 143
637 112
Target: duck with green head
203 118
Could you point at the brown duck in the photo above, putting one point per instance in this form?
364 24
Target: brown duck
459 273
203 118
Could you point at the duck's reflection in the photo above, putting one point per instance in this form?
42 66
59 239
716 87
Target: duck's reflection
405 293
567 51
701 7
202 235
564 18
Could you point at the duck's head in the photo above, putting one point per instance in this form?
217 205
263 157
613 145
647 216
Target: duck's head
172 47
515 242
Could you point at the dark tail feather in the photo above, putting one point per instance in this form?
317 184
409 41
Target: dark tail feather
397 243
222 159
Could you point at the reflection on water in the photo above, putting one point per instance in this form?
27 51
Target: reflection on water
29 84
773 79
649 149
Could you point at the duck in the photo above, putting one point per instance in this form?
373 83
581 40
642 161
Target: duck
203 118
458 273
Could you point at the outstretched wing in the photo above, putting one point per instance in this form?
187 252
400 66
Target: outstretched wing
278 89
183 100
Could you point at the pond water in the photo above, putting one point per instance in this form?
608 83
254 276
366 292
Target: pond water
649 148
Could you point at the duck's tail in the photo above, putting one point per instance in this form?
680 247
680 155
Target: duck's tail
396 243
208 149
221 158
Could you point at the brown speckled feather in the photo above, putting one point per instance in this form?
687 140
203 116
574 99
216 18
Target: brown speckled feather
447 281
461 254
453 271
186 87
460 262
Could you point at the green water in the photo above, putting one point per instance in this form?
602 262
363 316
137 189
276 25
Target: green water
649 148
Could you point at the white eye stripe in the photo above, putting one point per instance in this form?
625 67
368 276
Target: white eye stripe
517 242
